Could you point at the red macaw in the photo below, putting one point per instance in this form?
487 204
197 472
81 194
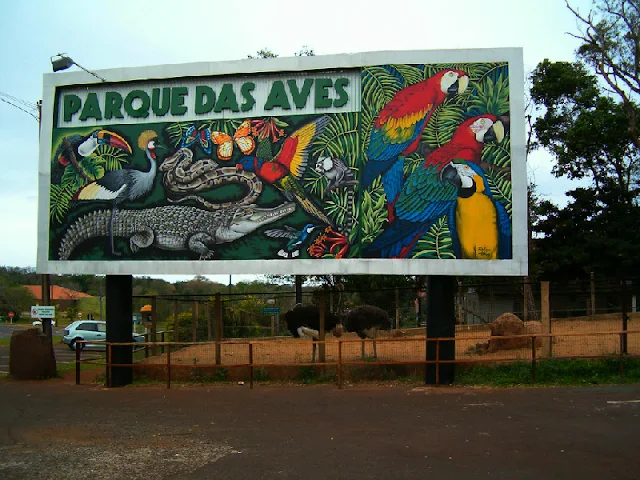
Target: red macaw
467 141
426 195
398 127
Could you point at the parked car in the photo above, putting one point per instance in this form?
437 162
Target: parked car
38 323
90 331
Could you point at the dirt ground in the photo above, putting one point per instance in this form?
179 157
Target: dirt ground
411 346
55 430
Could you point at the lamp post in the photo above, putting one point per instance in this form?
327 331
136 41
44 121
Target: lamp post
61 62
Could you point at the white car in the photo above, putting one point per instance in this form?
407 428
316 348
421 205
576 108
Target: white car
90 331
38 323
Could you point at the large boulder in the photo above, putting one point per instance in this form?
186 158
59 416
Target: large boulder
533 327
507 325
31 355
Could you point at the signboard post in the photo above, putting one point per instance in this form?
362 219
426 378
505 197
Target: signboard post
11 314
384 163
39 311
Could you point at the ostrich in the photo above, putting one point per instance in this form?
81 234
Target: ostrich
125 184
304 321
366 320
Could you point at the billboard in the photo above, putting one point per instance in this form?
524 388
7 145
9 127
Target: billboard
375 163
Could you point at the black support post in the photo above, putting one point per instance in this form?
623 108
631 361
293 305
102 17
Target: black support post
299 289
120 326
441 323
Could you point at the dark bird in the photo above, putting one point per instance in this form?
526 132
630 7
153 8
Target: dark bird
296 238
304 321
126 184
366 321
82 146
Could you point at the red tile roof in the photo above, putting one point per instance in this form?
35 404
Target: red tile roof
57 293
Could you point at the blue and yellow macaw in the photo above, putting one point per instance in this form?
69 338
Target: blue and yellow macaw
398 127
480 227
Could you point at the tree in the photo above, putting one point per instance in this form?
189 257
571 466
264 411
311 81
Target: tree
589 124
14 298
584 129
611 46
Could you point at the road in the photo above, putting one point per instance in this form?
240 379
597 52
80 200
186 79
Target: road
54 429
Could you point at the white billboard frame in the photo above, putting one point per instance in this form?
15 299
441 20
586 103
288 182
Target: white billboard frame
516 266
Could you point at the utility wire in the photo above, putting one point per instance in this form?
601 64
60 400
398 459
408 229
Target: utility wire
20 108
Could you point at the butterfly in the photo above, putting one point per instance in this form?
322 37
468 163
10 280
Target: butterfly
202 136
242 138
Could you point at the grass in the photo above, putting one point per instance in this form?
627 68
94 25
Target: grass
551 373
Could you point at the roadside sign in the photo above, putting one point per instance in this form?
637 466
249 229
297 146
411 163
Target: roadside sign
38 311
11 314
271 310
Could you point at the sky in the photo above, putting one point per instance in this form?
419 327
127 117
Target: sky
115 33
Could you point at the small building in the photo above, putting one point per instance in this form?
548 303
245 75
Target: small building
61 297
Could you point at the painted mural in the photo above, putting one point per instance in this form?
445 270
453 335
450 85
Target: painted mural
421 171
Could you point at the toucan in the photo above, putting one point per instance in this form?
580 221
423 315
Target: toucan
83 146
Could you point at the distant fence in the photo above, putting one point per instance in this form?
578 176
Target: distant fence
251 359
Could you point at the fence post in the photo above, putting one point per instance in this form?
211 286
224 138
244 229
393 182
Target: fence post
339 364
321 338
622 356
194 321
208 320
250 365
438 361
545 319
533 358
218 330
168 366
109 371
77 365
592 282
154 325
176 322
397 309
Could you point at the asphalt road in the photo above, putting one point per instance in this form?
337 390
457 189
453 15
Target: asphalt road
54 429
7 329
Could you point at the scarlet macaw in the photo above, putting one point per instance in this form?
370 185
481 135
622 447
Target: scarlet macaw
398 127
425 196
288 167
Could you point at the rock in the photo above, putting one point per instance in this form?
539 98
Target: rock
31 355
506 325
533 327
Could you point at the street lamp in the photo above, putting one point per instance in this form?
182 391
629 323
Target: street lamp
62 62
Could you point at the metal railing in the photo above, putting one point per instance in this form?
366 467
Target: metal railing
340 362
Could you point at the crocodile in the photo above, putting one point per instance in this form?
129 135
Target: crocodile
173 227
183 177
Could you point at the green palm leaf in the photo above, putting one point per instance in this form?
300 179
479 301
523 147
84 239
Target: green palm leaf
59 200
176 132
109 157
436 242
500 185
491 96
498 154
340 139
443 123
410 73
